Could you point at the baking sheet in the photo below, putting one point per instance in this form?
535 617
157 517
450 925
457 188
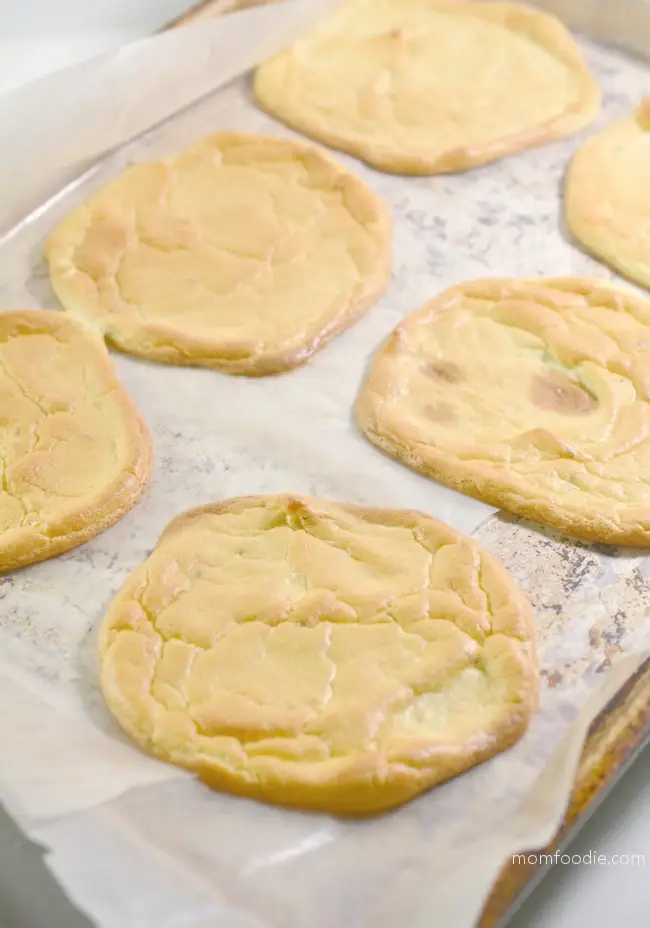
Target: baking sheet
180 854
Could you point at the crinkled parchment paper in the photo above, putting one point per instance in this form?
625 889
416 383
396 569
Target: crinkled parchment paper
56 127
138 843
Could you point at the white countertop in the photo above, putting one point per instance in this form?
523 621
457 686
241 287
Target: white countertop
36 37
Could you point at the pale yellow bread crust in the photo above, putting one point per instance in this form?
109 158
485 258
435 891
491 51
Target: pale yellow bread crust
607 195
465 642
53 534
277 87
495 431
156 207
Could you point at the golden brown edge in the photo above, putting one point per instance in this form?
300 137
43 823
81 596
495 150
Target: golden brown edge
167 344
544 29
466 477
30 547
354 795
615 739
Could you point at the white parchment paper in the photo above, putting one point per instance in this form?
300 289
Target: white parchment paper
56 127
138 843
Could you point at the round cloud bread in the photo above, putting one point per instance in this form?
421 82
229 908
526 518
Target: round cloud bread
243 253
319 655
430 87
76 455
607 195
533 395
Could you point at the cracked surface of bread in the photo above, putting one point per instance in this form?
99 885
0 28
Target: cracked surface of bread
532 395
429 87
319 655
243 253
75 453
607 195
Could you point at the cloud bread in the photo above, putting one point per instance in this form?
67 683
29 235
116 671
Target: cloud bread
76 455
243 253
319 655
607 195
532 395
430 87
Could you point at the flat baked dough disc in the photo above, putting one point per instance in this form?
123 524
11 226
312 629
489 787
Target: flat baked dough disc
607 195
75 453
319 655
430 87
243 253
532 395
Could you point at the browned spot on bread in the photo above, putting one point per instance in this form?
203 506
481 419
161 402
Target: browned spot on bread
441 412
556 393
443 371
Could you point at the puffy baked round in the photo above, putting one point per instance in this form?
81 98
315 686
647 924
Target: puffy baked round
319 655
532 395
430 87
75 453
243 253
607 195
